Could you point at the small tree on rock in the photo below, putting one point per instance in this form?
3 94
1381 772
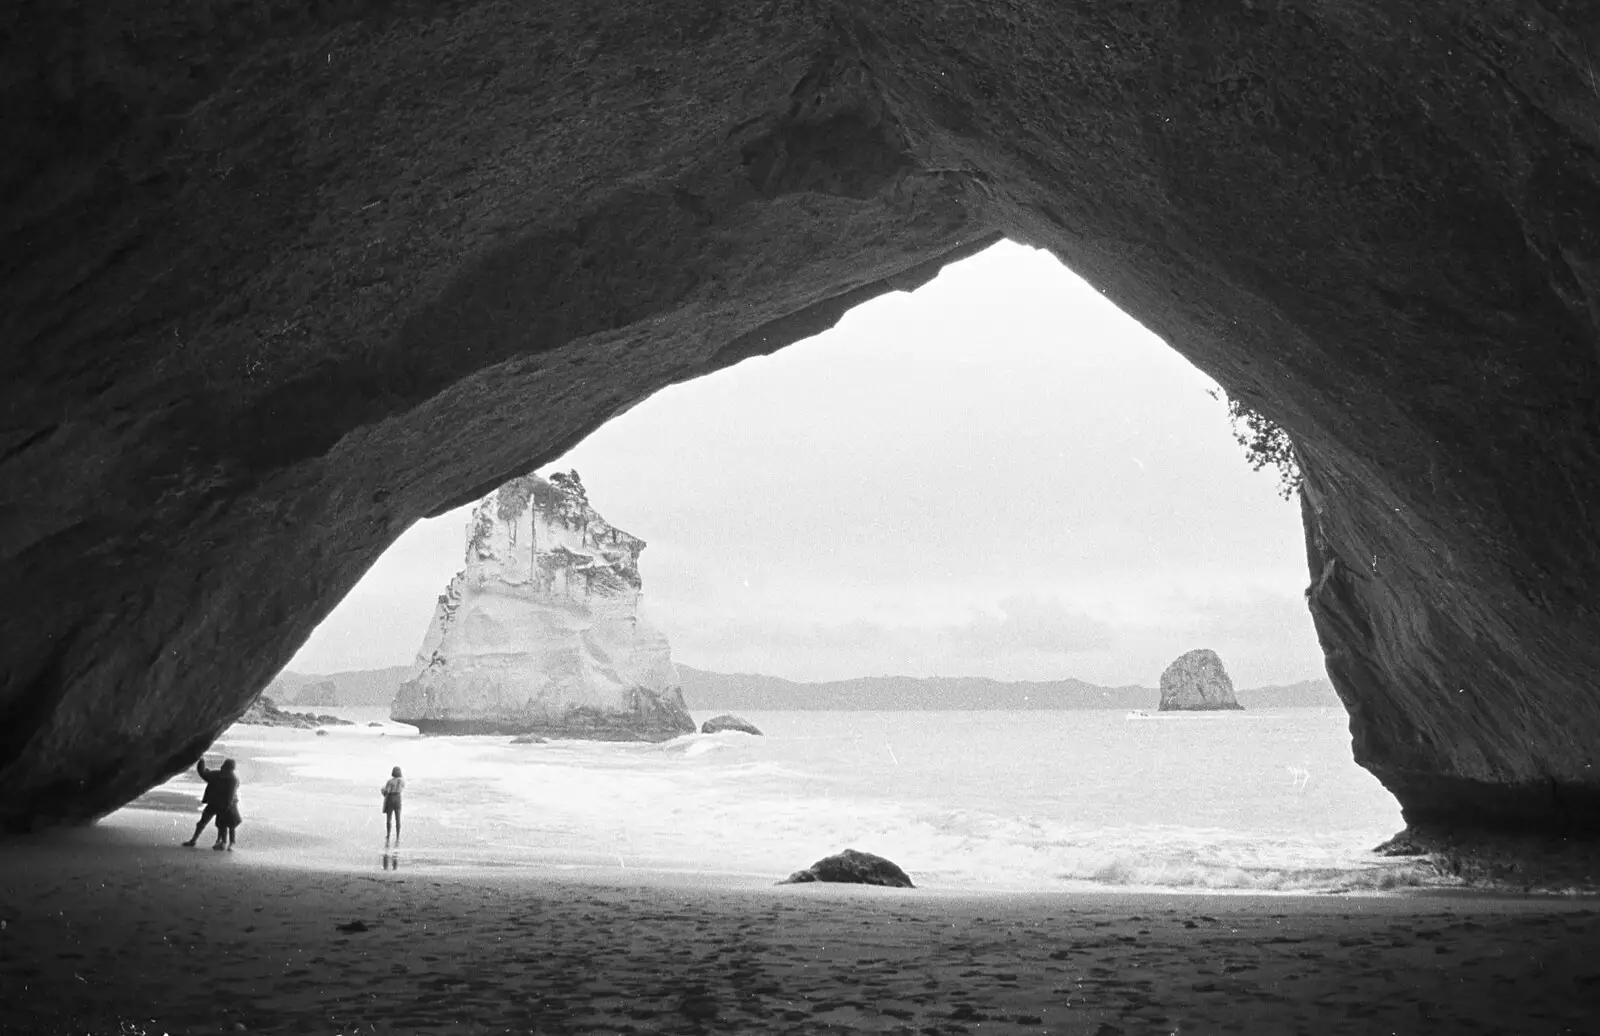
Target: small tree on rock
1265 443
568 482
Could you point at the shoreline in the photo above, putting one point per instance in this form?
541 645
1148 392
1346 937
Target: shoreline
274 848
114 929
482 800
170 814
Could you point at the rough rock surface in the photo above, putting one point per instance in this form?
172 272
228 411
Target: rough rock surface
277 279
728 721
852 867
1197 682
263 713
540 633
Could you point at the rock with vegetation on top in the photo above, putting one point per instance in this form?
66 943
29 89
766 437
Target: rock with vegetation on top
540 632
1196 682
852 867
728 721
264 713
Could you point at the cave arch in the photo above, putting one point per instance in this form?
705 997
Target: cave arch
280 281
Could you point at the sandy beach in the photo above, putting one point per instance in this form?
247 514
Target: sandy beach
119 930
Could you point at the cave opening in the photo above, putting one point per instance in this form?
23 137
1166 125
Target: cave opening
1057 452
990 493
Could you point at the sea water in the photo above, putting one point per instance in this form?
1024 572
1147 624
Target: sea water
1254 801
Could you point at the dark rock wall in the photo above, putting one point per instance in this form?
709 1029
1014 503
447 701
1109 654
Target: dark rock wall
279 279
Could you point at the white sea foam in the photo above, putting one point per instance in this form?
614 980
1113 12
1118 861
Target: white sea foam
1255 802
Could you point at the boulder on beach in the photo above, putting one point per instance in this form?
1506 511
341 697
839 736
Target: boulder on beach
852 867
1196 682
728 721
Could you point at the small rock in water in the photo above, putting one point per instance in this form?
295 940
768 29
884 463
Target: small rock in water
374 724
322 733
530 739
728 721
856 868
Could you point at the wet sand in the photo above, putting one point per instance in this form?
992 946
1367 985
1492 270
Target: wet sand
117 929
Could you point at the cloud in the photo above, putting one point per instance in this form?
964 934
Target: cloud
1021 623
1030 623
1263 637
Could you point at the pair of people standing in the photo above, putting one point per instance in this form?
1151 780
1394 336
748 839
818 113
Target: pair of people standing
220 801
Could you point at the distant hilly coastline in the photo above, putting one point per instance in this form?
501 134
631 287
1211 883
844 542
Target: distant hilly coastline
724 692
352 687
734 692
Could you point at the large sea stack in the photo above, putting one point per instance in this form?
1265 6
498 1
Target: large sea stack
540 632
1196 682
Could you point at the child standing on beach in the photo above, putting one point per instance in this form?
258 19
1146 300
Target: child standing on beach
391 805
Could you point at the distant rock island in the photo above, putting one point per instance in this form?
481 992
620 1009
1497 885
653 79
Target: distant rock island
540 632
321 693
358 687
263 712
1197 682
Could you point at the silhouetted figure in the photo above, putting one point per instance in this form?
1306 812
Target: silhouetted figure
222 793
228 816
391 805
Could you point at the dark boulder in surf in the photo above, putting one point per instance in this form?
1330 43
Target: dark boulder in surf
728 721
855 868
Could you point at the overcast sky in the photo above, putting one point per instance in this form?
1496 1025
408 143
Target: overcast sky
1000 474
